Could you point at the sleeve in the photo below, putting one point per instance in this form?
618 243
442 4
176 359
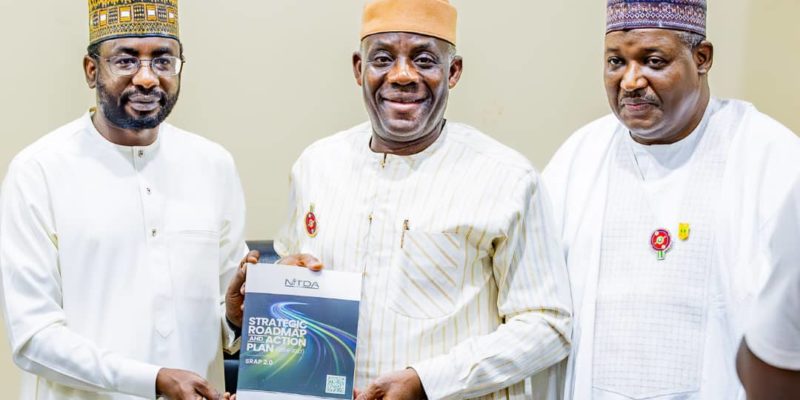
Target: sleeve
287 242
233 249
773 333
41 341
555 177
534 300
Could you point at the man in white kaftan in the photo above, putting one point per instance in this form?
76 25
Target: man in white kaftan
118 236
667 210
760 159
465 292
115 260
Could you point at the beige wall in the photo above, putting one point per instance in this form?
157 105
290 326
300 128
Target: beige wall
266 78
772 59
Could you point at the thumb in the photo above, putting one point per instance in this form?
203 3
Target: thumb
252 257
310 262
369 394
208 392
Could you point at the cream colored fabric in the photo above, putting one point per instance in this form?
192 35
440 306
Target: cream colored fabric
473 294
761 167
114 261
435 18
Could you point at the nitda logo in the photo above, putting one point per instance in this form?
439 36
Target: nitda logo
299 283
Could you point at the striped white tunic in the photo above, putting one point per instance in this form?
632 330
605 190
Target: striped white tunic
463 277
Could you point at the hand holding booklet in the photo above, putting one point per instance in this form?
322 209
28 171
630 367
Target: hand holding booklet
299 333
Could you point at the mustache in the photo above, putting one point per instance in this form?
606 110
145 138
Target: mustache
637 97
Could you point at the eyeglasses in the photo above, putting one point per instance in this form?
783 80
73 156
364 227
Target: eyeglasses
125 65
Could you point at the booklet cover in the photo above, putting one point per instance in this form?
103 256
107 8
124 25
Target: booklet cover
298 334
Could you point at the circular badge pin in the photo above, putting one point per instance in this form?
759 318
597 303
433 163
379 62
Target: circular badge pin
661 241
311 222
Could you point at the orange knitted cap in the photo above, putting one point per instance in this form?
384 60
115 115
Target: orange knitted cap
435 18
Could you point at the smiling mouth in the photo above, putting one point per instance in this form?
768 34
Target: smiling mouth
405 101
144 103
403 105
144 106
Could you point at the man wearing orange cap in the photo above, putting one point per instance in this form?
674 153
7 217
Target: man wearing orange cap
672 212
119 232
465 293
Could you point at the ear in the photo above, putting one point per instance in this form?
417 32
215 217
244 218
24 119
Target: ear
456 66
704 57
90 71
357 64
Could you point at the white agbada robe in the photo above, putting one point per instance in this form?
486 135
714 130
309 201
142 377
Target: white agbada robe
463 278
115 260
758 169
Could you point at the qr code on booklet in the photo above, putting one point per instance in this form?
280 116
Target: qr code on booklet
335 384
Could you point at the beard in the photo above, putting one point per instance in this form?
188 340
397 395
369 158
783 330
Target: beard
114 107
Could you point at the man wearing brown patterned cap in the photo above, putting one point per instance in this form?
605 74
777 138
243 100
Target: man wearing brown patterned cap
672 213
119 232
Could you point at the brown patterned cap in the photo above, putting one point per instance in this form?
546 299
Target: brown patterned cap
111 19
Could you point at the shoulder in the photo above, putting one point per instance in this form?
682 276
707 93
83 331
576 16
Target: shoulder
51 144
760 140
589 144
590 137
760 129
196 146
484 162
577 166
763 157
482 147
338 145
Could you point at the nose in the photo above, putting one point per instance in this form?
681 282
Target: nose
633 79
403 72
145 77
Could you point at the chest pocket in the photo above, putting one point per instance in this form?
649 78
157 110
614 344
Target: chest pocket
194 263
427 274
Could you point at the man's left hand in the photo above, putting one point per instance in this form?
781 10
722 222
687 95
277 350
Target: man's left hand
400 385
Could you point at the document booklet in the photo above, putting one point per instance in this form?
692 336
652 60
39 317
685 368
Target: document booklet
298 334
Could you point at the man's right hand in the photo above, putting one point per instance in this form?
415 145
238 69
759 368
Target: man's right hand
302 260
176 384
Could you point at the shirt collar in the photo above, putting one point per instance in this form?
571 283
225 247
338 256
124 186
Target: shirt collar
413 158
97 138
676 154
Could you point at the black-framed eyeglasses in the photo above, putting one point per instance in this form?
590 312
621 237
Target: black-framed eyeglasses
126 65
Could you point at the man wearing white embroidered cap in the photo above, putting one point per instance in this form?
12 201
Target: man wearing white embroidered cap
666 210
